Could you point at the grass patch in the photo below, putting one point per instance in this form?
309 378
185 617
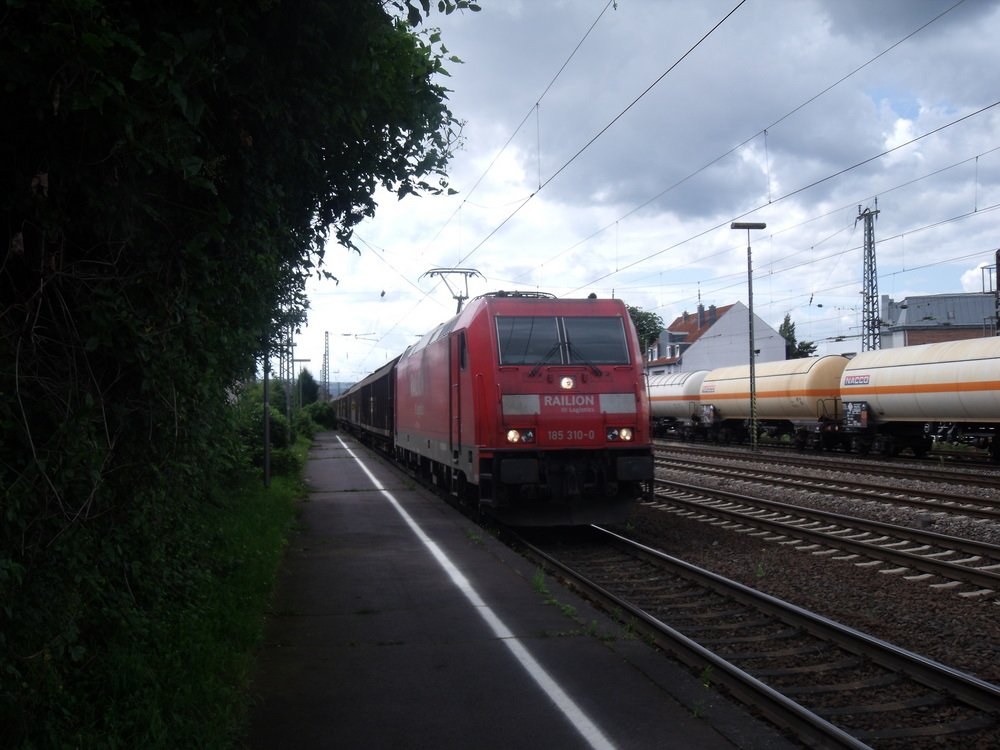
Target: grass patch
538 583
474 536
179 676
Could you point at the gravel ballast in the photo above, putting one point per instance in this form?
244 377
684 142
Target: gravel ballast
961 632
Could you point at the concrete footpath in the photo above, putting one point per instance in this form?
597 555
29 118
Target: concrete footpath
398 624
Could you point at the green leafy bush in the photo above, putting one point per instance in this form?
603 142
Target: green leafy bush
171 177
322 413
248 410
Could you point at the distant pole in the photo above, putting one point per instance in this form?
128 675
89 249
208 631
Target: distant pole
748 225
267 421
288 357
996 294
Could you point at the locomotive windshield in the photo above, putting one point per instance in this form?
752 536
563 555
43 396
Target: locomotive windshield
598 341
526 340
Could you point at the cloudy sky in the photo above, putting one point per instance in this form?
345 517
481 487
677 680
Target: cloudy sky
609 144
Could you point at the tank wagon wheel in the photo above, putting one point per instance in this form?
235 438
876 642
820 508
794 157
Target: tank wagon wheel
861 446
889 447
921 449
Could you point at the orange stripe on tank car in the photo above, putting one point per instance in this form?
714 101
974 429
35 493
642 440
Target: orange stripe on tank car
886 390
810 392
675 398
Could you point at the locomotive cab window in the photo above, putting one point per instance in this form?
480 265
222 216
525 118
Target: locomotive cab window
591 340
598 341
527 340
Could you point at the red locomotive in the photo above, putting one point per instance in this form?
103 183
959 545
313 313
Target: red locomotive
535 407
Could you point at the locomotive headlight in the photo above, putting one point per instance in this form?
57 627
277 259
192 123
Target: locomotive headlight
520 436
625 434
567 383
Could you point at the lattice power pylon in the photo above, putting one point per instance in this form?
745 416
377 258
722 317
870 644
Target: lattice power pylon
324 376
871 337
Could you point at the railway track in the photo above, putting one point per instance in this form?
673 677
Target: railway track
988 476
829 685
936 500
969 567
973 458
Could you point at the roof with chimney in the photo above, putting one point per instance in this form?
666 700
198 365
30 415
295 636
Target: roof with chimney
714 337
692 325
688 328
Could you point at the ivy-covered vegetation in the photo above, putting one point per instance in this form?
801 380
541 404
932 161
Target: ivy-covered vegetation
170 174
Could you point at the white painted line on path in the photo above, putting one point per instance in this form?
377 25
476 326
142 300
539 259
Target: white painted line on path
580 721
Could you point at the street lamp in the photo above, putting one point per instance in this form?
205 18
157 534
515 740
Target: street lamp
748 225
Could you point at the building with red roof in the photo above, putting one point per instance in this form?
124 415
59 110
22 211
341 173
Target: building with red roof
713 337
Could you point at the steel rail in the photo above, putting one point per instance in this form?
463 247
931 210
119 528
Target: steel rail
968 688
912 468
983 578
806 725
949 502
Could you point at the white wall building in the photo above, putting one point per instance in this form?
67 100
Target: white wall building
713 337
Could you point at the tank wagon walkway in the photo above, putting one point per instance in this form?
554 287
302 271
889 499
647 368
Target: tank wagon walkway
398 624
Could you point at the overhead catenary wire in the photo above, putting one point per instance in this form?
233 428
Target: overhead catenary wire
763 131
601 132
792 193
850 206
737 281
521 204
622 268
533 109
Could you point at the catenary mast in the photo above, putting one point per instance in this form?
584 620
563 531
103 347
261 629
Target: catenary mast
870 323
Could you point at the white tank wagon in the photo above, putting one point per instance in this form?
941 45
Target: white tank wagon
904 397
675 402
798 397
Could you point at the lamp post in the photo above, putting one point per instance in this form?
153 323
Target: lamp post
748 225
